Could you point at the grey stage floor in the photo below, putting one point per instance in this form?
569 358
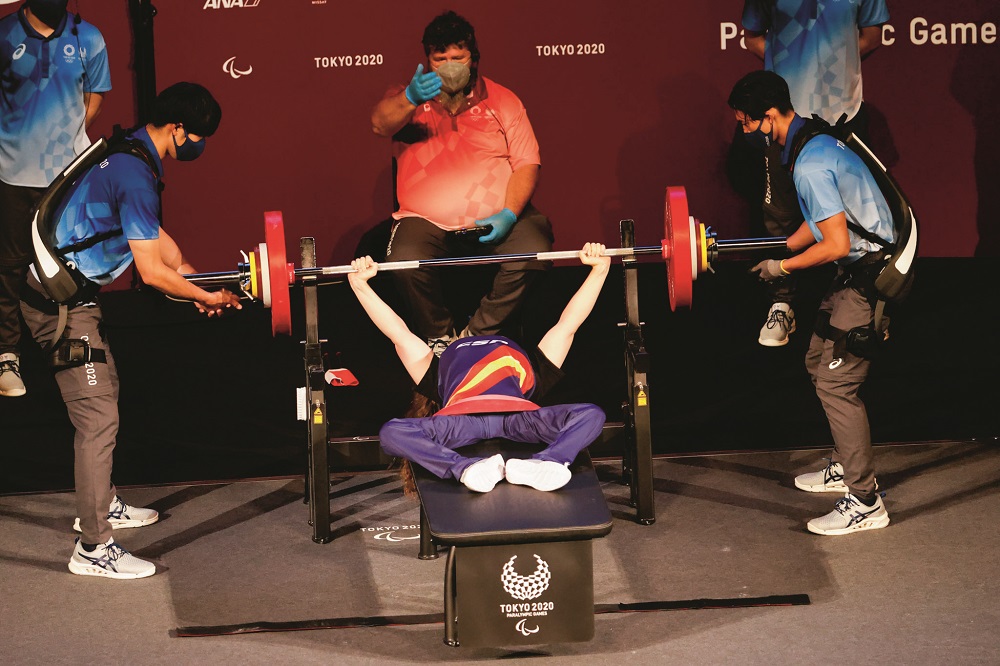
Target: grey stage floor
925 590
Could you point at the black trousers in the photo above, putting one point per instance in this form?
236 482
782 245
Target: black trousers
16 206
415 238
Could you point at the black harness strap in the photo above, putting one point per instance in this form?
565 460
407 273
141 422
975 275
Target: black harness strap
88 243
63 352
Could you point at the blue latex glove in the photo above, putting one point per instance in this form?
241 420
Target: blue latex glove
423 87
501 222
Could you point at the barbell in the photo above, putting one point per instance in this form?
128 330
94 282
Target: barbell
688 249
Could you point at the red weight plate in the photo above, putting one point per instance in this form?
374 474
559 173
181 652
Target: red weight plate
677 247
278 271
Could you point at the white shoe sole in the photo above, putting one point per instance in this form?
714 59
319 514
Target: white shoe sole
839 488
769 342
824 488
122 524
91 570
870 524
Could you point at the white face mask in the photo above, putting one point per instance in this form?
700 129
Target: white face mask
454 76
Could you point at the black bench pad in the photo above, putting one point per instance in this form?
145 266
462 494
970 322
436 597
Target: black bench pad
511 514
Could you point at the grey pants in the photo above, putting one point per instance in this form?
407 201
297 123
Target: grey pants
91 395
416 238
837 380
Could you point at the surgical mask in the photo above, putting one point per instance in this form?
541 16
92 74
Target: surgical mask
758 139
189 150
49 12
454 76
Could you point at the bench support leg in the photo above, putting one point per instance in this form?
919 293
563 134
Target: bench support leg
428 551
450 620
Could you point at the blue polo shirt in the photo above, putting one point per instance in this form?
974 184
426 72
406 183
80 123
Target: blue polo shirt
119 193
813 45
830 178
42 83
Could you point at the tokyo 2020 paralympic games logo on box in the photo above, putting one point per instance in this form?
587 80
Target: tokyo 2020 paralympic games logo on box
526 587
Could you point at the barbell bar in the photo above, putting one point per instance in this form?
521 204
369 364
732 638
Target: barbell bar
688 249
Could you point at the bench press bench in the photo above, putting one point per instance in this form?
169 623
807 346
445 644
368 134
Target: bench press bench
519 569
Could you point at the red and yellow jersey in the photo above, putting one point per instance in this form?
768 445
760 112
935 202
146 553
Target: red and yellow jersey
453 170
488 374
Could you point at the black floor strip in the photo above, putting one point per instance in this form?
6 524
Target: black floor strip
437 618
700 604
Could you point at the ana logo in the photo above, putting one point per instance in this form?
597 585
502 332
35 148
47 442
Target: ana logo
229 68
522 626
230 4
525 587
19 51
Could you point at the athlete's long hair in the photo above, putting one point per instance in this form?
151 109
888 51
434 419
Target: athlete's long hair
420 407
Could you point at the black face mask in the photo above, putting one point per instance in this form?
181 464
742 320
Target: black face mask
49 12
189 150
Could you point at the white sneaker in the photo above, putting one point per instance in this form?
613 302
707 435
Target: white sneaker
484 475
10 376
828 480
539 474
779 325
438 345
109 560
850 515
122 515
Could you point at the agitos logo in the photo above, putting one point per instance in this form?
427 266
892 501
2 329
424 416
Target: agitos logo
230 4
229 67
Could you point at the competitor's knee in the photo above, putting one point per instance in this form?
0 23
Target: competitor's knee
392 434
591 418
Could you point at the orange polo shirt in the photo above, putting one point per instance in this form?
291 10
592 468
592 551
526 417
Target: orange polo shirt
453 170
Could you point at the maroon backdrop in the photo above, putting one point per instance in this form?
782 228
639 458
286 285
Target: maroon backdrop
641 108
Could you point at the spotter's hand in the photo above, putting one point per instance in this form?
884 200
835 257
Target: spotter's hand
592 254
365 269
501 222
423 87
218 302
769 270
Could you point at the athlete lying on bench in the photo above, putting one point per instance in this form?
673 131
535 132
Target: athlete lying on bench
484 384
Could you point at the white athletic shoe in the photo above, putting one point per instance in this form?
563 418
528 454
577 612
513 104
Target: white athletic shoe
850 515
539 474
779 325
438 345
10 376
122 515
828 480
109 560
484 475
